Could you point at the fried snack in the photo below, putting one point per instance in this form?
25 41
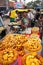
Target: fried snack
8 56
34 35
11 40
35 29
33 44
8 41
20 49
21 38
32 59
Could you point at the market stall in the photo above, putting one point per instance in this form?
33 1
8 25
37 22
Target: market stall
21 49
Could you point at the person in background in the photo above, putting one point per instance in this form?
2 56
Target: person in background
37 15
13 16
19 15
41 19
25 21
31 17
41 23
41 32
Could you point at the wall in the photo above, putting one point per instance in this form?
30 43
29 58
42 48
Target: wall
2 3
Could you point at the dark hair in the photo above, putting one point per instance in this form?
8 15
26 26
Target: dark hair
16 11
38 10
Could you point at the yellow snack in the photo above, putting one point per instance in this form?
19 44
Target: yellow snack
5 56
35 29
10 40
20 49
8 56
33 44
30 59
34 35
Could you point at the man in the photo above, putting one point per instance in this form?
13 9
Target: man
37 17
13 16
25 21
37 14
30 15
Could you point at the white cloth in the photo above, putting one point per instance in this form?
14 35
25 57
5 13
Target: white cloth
30 15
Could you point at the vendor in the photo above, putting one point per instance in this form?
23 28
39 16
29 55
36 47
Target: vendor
25 21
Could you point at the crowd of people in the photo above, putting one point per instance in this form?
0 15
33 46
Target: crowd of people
28 18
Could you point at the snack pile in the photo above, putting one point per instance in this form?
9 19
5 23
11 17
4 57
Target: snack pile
21 38
32 59
8 56
34 35
15 42
14 45
20 49
35 29
8 41
33 44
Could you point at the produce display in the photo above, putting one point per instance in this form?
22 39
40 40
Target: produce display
33 44
32 59
8 56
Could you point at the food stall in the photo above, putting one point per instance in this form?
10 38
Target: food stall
21 49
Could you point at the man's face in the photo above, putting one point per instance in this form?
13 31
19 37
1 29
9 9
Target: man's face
24 13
